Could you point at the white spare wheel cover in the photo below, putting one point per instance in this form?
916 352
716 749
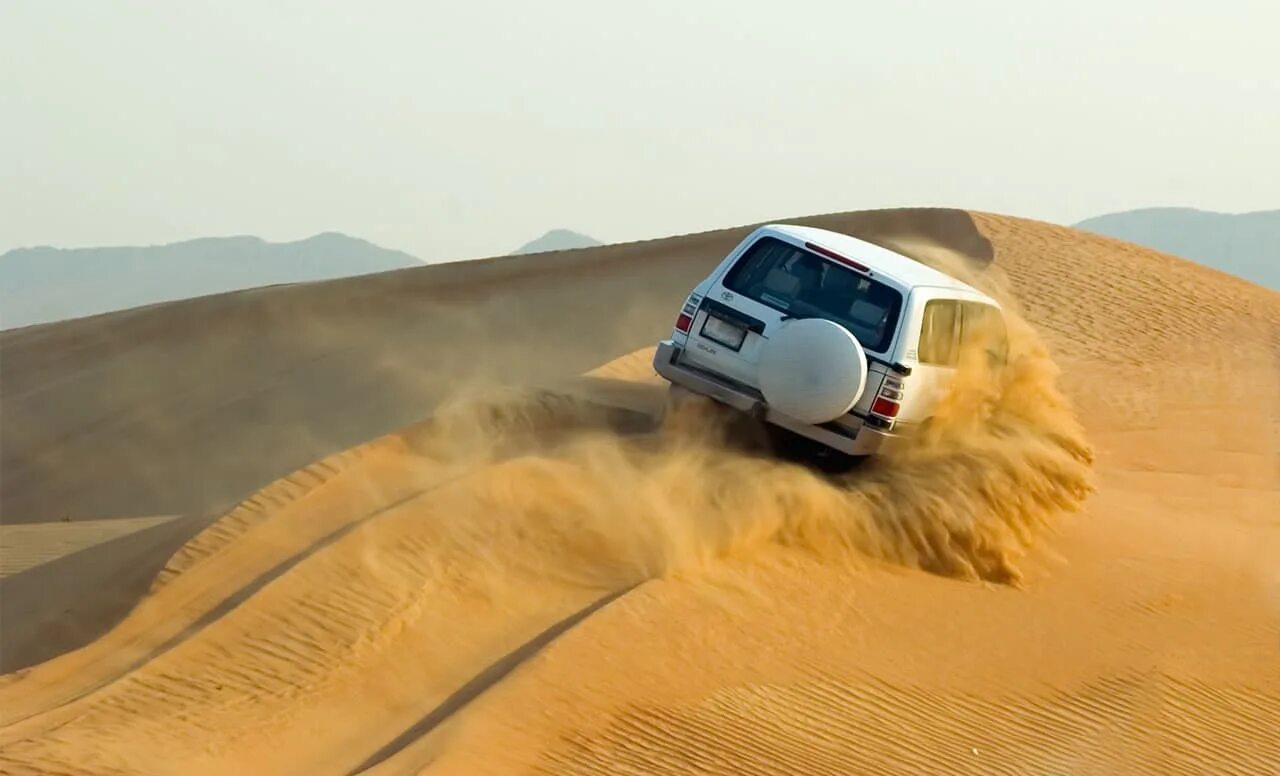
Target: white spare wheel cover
812 369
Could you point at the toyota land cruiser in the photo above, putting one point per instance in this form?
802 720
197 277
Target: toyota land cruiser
829 337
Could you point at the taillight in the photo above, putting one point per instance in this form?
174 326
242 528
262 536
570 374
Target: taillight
888 401
885 408
685 320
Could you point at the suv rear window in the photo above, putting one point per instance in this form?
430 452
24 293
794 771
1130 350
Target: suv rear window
805 285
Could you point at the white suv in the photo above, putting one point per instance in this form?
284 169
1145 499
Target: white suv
829 337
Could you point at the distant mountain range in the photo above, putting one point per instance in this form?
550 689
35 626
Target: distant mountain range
43 284
557 240
1246 244
39 285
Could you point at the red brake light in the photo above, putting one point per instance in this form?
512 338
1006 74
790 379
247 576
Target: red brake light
885 408
684 323
830 254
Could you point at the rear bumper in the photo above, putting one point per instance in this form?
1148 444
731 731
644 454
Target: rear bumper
853 437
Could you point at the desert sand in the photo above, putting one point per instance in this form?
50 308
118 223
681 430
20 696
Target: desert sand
427 522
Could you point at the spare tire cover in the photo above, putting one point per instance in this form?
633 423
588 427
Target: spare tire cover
812 369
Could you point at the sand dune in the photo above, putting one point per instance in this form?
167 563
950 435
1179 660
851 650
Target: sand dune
544 580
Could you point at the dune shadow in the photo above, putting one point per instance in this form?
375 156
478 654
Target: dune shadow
63 604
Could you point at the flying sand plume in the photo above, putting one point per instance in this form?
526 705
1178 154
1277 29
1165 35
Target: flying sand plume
1003 456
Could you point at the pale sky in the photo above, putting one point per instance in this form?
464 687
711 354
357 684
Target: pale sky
463 128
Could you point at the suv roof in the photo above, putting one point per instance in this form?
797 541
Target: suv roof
906 271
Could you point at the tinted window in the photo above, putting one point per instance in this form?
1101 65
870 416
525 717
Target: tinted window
949 325
804 285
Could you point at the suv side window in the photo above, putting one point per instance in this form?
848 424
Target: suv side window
985 325
940 332
948 324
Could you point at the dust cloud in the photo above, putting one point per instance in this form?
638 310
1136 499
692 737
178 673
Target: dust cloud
555 493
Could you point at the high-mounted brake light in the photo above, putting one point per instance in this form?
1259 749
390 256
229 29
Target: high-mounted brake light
830 254
684 323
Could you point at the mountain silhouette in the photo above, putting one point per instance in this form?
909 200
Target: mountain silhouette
1246 245
43 284
558 240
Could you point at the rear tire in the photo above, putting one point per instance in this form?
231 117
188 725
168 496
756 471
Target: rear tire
687 413
802 450
676 398
694 416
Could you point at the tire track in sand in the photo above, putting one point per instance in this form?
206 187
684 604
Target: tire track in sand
482 681
148 687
